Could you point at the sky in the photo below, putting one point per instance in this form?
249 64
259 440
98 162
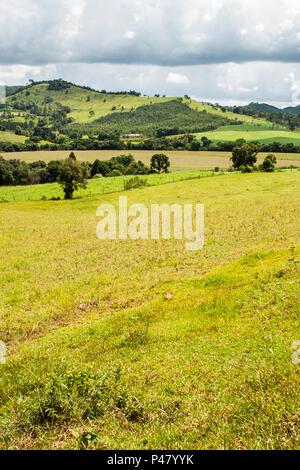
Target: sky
225 51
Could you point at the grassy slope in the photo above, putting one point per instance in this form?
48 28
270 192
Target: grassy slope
216 110
251 132
204 369
11 137
76 99
102 104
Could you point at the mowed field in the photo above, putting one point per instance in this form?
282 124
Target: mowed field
264 133
180 160
142 344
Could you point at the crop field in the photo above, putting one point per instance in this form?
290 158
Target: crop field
180 160
142 344
264 133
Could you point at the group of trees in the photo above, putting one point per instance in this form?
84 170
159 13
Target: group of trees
287 119
118 166
19 173
244 157
160 119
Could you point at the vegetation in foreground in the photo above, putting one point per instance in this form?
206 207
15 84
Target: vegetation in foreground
155 354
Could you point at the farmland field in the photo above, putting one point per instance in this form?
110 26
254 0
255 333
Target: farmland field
143 345
263 133
180 160
11 137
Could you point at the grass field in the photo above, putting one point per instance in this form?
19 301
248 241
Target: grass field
95 186
180 160
6 136
194 348
264 133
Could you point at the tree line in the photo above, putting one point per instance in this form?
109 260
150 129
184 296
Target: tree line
16 172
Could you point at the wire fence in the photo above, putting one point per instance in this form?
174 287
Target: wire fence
97 187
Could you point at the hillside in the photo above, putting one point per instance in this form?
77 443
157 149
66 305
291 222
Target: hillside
269 109
59 115
89 105
173 116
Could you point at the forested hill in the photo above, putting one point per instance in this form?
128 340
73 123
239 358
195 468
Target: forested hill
171 117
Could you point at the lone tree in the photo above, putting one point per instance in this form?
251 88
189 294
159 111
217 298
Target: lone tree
160 163
244 155
268 164
205 141
72 175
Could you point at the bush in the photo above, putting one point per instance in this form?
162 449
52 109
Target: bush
134 183
115 173
268 164
68 394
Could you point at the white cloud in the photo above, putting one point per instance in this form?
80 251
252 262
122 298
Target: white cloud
260 28
177 78
168 32
130 34
219 50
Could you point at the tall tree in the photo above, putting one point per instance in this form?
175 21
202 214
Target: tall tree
244 155
72 176
160 163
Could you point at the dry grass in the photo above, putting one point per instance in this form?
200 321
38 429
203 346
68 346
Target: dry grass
180 160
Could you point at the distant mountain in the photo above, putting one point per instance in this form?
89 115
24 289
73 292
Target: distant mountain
292 110
271 109
264 107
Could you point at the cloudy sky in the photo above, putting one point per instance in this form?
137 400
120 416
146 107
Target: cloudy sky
226 51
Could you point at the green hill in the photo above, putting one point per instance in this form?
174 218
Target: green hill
67 109
173 116
86 106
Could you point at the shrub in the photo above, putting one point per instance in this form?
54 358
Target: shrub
67 395
134 183
115 173
268 164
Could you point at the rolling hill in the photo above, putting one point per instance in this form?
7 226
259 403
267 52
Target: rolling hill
268 108
63 107
88 105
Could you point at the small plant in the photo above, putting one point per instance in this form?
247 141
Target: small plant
134 183
68 395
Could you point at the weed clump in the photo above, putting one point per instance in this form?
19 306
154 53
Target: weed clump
70 395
